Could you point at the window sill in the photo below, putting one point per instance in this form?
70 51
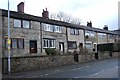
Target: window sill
49 47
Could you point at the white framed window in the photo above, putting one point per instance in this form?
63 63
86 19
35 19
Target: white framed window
46 43
49 43
71 31
17 23
26 24
52 28
101 35
57 29
88 45
74 31
48 27
89 33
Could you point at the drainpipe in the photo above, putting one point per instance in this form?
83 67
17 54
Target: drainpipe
107 38
67 38
41 36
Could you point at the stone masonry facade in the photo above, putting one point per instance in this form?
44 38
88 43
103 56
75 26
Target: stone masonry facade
62 36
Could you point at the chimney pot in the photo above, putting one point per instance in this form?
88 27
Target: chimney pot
46 9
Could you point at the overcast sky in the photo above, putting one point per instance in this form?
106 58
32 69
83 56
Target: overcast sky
100 12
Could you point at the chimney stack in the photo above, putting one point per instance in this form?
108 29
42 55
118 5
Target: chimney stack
45 13
105 27
20 7
89 24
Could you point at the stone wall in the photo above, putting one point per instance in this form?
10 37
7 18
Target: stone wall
37 62
78 38
19 64
0 44
1 33
57 36
25 33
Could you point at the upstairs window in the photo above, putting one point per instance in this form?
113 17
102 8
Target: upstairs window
26 24
52 28
17 23
90 33
21 23
48 27
57 29
101 35
74 31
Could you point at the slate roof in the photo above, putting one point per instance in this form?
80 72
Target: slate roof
18 15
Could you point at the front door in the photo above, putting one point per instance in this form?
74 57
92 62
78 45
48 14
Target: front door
33 46
61 47
81 47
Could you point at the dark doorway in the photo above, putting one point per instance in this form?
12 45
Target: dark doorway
61 47
81 47
33 46
76 57
96 55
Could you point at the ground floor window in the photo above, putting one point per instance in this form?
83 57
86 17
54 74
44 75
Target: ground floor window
88 45
72 45
16 43
49 43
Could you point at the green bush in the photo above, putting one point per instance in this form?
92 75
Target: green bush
50 51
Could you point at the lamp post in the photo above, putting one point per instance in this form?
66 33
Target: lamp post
9 40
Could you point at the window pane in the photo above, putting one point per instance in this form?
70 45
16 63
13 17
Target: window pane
51 43
48 27
54 43
51 28
14 43
88 45
17 23
76 31
101 35
71 31
21 43
6 45
46 43
26 24
57 29
45 27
